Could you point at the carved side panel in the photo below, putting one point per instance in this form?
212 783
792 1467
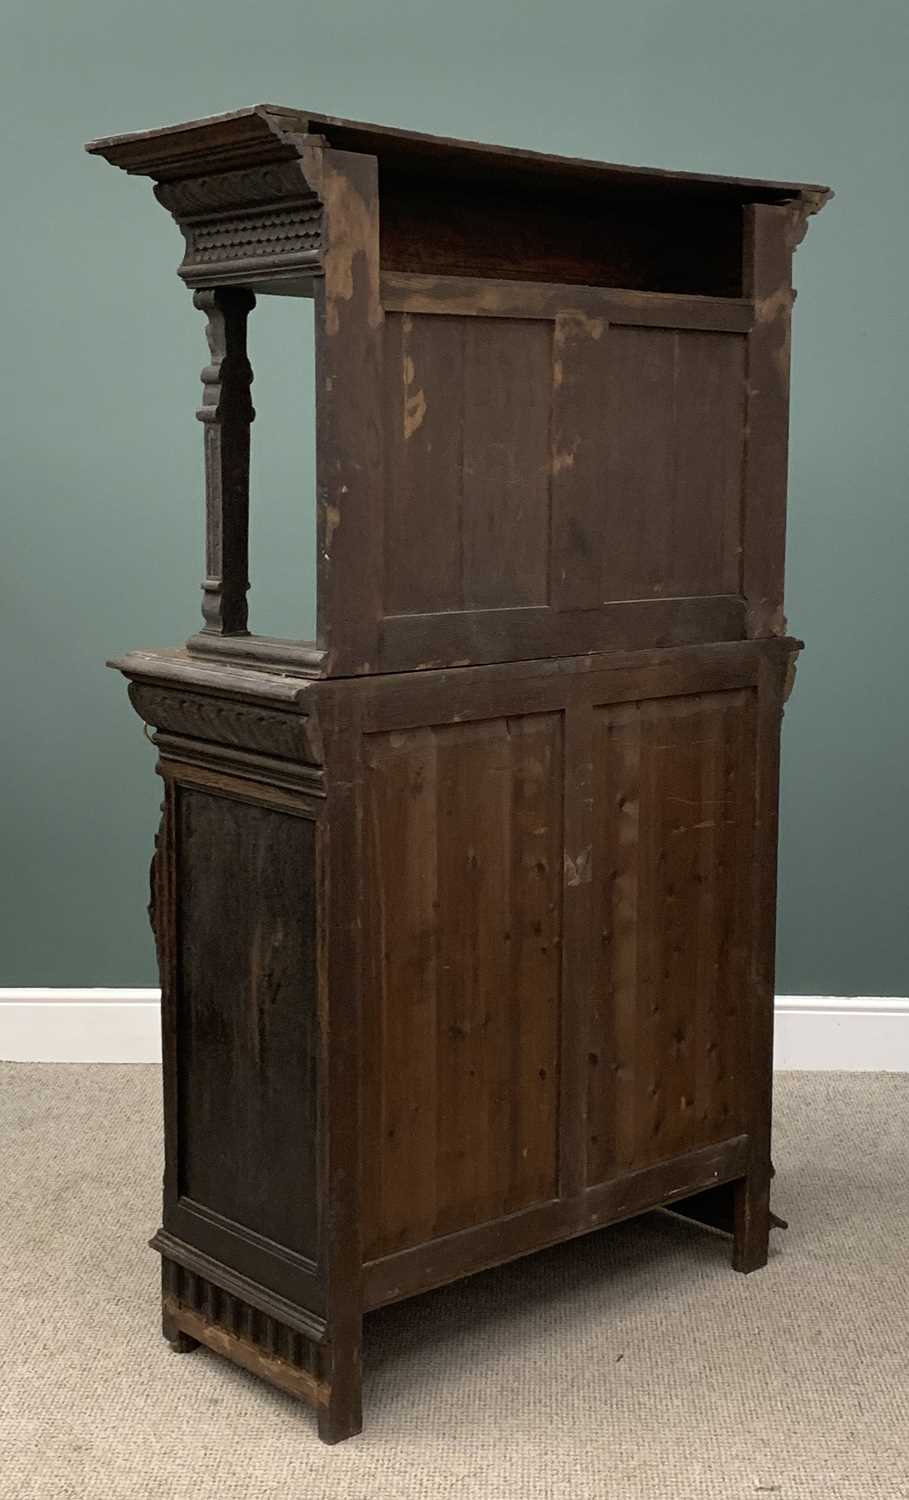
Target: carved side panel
244 1017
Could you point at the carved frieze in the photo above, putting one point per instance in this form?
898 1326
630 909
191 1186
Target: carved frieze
261 224
290 736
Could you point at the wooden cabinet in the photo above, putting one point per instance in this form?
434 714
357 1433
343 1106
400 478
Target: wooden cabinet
465 910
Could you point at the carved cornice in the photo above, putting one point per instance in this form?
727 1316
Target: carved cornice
809 202
260 224
235 185
253 137
275 239
252 187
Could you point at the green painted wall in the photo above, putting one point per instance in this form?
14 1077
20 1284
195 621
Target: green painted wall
101 350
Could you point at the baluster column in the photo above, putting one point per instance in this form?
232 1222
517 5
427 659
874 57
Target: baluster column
227 414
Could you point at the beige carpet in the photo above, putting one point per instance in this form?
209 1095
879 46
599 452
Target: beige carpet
633 1363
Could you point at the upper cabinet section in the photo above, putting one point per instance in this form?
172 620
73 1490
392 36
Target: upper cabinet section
552 395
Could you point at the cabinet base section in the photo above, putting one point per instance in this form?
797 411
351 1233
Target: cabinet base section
197 1308
433 1263
285 1346
205 1302
184 1328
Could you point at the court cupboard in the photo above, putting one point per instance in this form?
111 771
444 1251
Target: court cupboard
465 909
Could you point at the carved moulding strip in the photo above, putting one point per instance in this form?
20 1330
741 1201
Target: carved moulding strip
303 658
245 773
261 224
251 684
288 736
271 1304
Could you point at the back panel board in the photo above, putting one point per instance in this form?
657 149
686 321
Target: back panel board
672 857
462 1011
486 1035
540 467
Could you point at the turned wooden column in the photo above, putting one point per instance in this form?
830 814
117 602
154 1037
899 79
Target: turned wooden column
226 414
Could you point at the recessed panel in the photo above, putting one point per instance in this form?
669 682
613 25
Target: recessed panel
246 1016
467 462
648 453
463 996
672 448
673 887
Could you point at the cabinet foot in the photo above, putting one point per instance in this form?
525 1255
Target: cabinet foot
336 1424
740 1209
180 1342
342 1415
751 1224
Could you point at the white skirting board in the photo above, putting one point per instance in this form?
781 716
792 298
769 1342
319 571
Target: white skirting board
813 1032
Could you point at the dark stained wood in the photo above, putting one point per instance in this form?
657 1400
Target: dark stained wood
672 464
465 910
268 133
401 1022
714 1207
577 914
467 426
247 1011
466 637
505 464
183 1262
463 1057
341 969
479 297
532 1036
674 799
424 372
752 1203
579 370
454 478
245 1353
640 240
226 413
430 1265
647 463
349 375
769 236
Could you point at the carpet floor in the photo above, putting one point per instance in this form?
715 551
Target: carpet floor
631 1364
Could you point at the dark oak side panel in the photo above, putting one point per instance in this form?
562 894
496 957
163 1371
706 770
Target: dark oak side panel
461 1049
246 1017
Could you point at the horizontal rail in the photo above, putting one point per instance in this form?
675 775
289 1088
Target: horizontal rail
473 296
